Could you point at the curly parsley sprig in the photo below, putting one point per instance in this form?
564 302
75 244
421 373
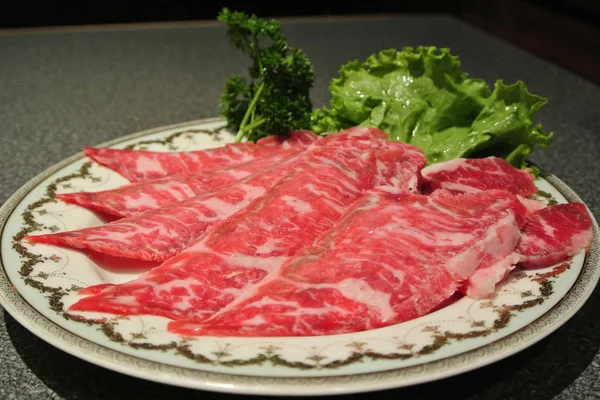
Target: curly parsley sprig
276 99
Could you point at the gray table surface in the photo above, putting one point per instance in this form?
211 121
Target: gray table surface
61 90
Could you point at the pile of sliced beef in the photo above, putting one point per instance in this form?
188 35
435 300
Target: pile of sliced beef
305 235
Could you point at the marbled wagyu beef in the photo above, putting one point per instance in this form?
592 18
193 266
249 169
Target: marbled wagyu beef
553 234
470 175
321 236
241 250
138 165
392 258
137 198
160 234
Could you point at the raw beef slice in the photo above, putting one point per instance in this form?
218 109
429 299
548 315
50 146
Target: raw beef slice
392 258
240 251
140 197
471 175
136 198
159 234
137 165
553 234
482 284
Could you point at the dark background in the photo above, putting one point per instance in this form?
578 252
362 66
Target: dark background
565 32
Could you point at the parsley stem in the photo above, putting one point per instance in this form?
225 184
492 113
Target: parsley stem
254 124
249 111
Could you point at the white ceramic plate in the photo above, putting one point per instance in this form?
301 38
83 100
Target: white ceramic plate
38 282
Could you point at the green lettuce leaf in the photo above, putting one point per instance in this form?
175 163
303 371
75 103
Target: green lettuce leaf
421 96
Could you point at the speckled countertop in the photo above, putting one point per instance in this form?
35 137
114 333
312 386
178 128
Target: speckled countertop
64 89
